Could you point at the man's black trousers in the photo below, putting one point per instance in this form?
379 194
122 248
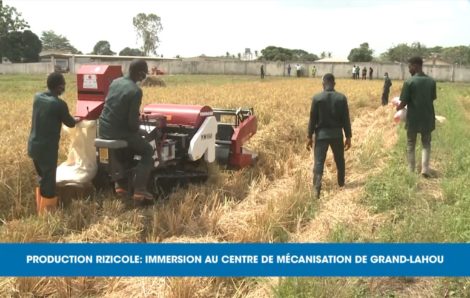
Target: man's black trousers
321 148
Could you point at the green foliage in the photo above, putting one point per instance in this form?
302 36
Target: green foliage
148 26
361 54
56 42
20 46
419 212
273 53
10 20
103 47
402 52
13 42
131 52
319 287
394 187
459 55
343 233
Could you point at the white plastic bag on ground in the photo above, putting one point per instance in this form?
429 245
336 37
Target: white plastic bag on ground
440 119
80 166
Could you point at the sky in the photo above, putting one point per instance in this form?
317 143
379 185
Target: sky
212 28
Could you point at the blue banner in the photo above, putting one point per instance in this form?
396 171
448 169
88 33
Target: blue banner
237 259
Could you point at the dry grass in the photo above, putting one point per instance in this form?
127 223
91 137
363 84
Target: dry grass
270 202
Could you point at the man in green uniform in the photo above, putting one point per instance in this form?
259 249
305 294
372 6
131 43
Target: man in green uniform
418 94
329 117
49 112
120 120
386 89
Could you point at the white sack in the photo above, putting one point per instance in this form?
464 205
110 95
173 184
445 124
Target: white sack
80 166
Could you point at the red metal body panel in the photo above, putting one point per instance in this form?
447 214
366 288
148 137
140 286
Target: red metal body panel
92 85
187 115
241 134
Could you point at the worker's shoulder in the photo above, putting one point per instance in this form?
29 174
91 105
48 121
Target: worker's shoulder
329 94
42 95
46 97
420 80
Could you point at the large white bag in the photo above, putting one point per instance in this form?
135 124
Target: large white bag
80 166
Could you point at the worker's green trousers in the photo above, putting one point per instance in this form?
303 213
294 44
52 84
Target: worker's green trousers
46 167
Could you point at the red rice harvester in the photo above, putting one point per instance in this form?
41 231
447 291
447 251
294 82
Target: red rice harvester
185 138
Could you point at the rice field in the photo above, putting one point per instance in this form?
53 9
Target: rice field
269 202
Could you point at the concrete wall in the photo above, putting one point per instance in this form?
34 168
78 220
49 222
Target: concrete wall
27 68
462 74
180 66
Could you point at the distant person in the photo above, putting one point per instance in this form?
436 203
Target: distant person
298 67
288 70
418 95
364 73
371 72
353 72
386 89
329 117
356 71
262 71
120 120
314 71
49 113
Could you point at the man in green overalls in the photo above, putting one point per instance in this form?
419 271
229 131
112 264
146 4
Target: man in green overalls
49 112
120 121
418 94
329 117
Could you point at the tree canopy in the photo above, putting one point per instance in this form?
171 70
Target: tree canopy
21 46
10 20
131 52
102 47
273 53
148 26
16 43
55 42
402 52
361 54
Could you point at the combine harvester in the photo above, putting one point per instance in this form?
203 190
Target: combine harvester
185 138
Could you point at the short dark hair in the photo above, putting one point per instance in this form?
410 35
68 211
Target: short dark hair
329 78
54 80
416 60
138 65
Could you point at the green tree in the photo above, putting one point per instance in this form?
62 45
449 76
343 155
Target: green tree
10 20
361 54
273 53
402 52
56 42
21 46
130 52
103 47
457 55
148 26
